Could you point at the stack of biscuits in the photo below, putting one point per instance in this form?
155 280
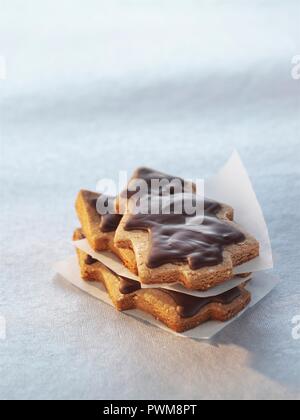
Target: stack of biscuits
199 253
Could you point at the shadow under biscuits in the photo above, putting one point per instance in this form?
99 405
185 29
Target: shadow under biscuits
271 351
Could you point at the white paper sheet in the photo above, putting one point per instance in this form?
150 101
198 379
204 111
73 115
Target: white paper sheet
232 186
259 287
115 265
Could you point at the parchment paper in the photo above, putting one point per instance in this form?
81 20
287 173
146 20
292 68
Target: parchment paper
232 185
114 263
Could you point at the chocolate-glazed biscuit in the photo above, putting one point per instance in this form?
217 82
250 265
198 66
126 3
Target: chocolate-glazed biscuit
98 229
178 311
199 252
178 238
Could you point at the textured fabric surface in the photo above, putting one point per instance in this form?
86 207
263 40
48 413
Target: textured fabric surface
97 86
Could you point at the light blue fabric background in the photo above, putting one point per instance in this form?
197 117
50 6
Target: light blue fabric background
97 86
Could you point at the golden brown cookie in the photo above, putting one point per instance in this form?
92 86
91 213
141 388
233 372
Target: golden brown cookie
99 230
178 311
137 247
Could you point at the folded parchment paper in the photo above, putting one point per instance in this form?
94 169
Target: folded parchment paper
232 185
114 264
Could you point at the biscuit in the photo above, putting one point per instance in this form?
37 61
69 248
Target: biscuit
180 312
100 238
99 230
168 248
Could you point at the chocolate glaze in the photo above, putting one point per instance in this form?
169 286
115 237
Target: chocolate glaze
109 222
178 238
148 175
188 305
174 238
90 260
80 235
128 285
